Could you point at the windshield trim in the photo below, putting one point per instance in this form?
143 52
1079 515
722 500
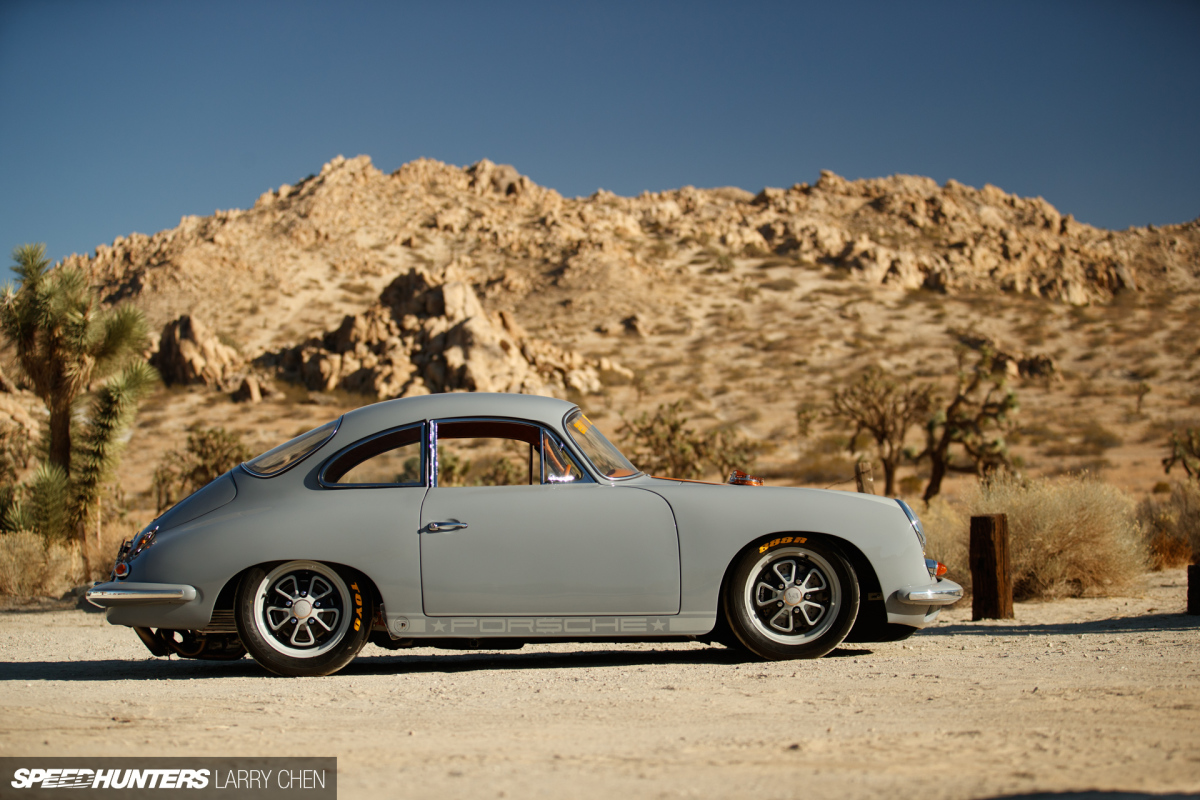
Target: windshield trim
569 440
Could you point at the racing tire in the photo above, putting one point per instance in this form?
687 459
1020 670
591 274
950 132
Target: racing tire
791 597
303 618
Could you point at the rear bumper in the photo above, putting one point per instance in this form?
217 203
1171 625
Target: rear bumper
115 594
942 593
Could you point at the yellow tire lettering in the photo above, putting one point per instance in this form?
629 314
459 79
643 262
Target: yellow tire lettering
782 540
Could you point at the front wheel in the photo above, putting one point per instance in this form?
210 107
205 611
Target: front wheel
791 597
303 618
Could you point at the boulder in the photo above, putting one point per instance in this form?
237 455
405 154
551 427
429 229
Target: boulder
189 353
429 335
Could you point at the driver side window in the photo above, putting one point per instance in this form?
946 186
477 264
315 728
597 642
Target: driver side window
501 453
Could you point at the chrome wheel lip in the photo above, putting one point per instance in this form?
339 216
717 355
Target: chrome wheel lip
831 584
269 618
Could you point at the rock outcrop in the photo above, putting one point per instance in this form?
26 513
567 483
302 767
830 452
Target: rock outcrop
426 336
189 353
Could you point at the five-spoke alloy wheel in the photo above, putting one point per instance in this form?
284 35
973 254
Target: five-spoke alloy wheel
303 617
791 597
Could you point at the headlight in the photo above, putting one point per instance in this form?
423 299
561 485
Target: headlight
916 523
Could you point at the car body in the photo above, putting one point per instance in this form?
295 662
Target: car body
587 548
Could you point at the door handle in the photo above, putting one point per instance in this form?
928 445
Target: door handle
449 525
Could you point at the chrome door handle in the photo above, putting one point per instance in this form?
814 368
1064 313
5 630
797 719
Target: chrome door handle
439 527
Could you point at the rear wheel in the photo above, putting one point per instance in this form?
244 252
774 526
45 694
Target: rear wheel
792 597
303 618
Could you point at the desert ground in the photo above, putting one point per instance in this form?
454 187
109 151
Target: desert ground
1077 695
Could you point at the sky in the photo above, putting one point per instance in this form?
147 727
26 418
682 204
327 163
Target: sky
125 116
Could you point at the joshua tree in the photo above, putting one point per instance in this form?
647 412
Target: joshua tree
1184 450
976 419
63 342
885 408
64 346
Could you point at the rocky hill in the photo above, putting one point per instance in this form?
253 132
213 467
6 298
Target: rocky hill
304 256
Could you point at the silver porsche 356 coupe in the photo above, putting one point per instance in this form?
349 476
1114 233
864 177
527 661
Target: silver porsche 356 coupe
364 530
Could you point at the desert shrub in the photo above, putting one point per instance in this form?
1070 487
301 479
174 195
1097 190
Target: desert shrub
1069 537
31 566
662 443
210 452
452 469
727 450
1172 526
503 472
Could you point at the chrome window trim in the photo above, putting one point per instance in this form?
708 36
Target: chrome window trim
580 462
915 521
337 426
333 458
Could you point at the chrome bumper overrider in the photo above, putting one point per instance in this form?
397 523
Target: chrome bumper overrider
942 593
114 593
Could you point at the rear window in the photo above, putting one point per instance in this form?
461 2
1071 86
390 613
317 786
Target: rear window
292 452
603 454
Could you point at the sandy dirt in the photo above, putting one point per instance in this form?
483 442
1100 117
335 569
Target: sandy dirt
1075 695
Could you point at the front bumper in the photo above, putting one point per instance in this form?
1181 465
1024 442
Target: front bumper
116 594
942 593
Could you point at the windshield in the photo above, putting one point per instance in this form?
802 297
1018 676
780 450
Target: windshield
292 452
605 457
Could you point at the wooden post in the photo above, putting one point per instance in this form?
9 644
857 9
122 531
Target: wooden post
862 477
991 573
1193 590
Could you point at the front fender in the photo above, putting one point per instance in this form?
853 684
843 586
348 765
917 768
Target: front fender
717 521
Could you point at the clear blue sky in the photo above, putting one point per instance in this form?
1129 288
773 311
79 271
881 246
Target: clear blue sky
124 116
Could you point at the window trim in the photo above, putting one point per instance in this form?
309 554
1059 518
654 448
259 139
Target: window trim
583 464
421 440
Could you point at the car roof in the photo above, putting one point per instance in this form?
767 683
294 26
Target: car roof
390 413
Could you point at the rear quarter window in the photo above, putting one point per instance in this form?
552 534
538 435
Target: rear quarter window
292 452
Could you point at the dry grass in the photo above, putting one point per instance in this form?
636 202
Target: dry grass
1069 537
947 530
1172 526
28 566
